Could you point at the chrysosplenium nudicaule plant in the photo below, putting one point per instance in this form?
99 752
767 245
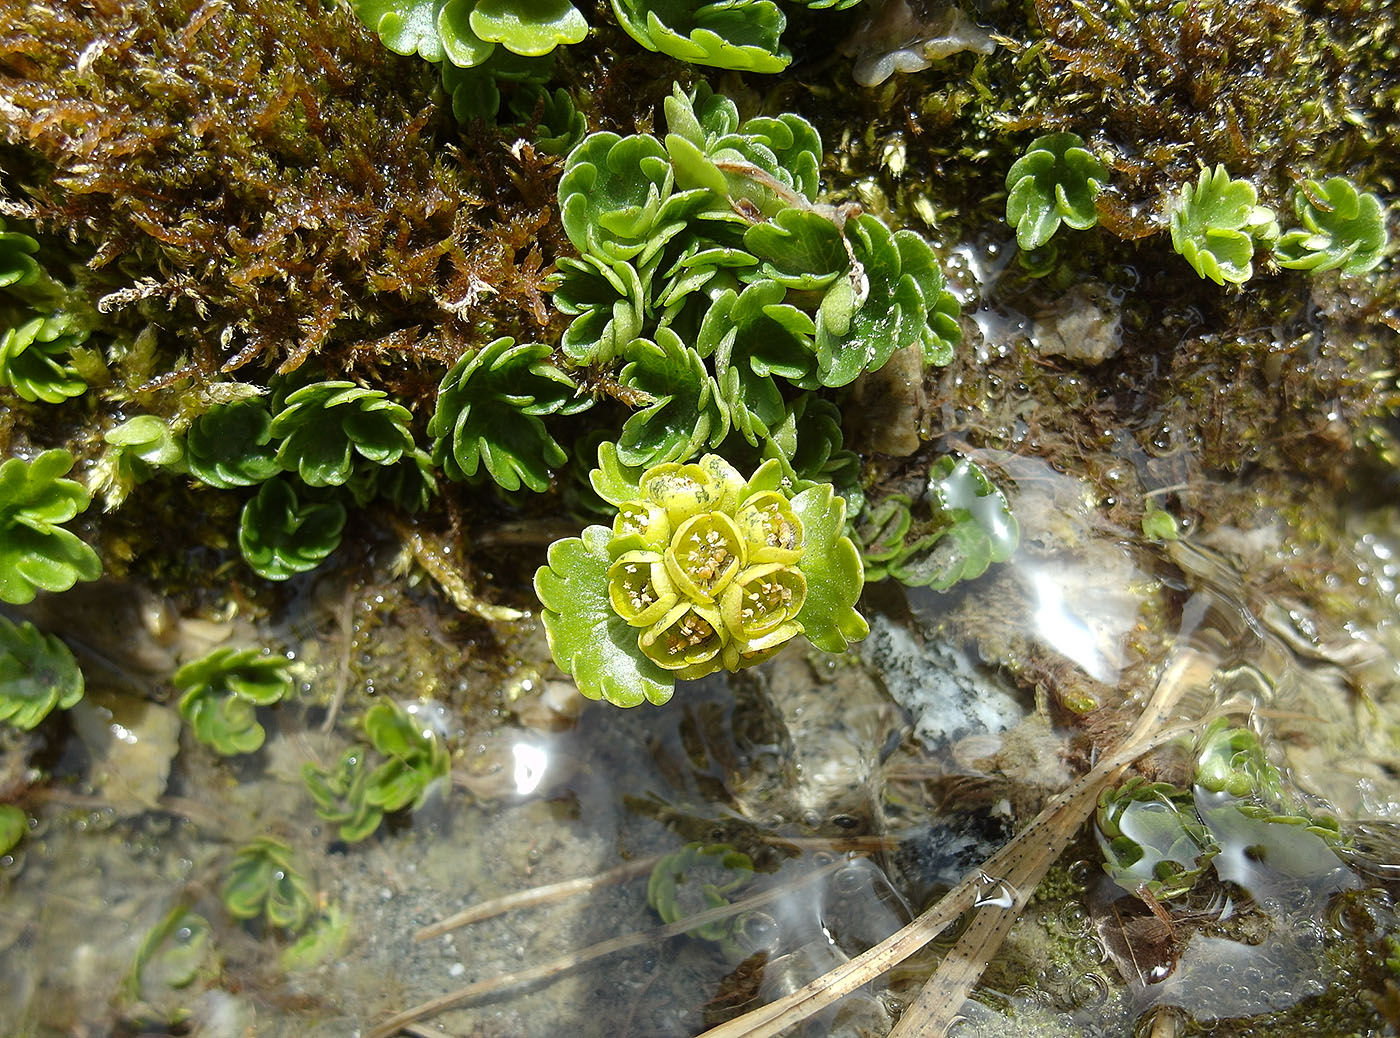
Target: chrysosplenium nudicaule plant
701 571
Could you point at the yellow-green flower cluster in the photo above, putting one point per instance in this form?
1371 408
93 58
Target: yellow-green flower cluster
705 566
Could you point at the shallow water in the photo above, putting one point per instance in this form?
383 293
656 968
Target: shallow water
861 788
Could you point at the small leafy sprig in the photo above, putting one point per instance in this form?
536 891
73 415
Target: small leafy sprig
36 553
341 794
37 674
230 445
1215 223
323 426
490 410
220 691
280 536
1152 838
1343 229
265 880
702 570
734 34
355 796
35 361
1054 182
18 267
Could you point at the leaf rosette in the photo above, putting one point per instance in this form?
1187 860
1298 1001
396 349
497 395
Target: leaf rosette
1152 838
1343 229
490 410
230 445
264 880
702 571
323 427
34 359
37 674
220 691
281 536
1215 223
36 553
1054 182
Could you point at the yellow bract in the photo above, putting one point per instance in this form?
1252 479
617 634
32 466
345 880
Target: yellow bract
705 565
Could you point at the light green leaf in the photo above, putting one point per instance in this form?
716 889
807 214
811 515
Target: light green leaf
587 638
833 570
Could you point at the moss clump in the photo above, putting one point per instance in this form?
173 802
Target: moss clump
288 187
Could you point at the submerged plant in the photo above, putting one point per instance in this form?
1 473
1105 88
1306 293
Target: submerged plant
702 570
970 526
36 553
35 362
1152 839
341 794
1215 223
1054 182
14 823
280 536
696 878
356 794
37 674
1343 229
265 880
219 693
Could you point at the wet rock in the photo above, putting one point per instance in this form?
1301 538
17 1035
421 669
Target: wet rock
900 38
131 743
1084 325
887 406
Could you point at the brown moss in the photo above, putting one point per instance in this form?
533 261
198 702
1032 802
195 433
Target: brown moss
263 181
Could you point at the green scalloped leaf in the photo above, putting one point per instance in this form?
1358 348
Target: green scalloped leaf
264 880
37 675
1343 229
979 528
324 425
529 27
230 445
832 566
35 359
734 34
280 536
586 637
36 553
18 267
856 333
799 249
617 198
686 412
609 303
613 480
1054 182
1214 225
489 410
